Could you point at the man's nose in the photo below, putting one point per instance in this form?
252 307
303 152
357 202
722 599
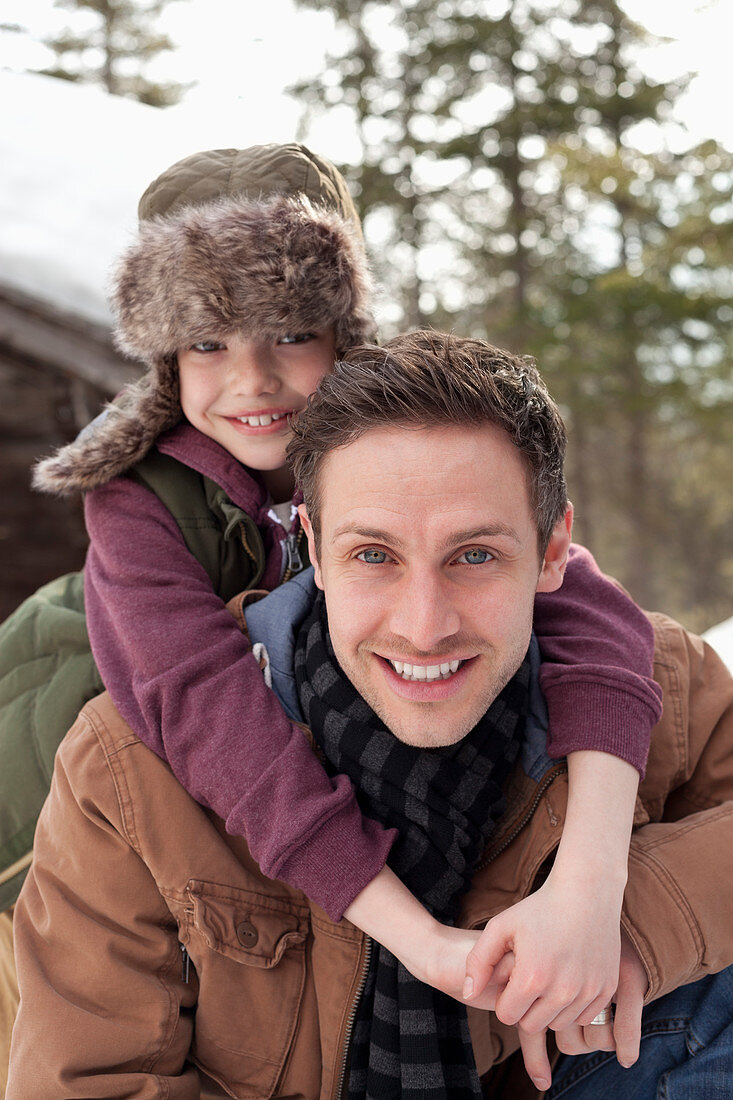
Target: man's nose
424 611
253 371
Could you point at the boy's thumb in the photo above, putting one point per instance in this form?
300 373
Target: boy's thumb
488 950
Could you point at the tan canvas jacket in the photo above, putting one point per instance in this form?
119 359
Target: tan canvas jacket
129 869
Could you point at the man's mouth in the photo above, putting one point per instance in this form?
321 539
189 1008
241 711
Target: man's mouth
425 674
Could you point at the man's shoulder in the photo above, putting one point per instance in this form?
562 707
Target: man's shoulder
693 734
105 771
684 660
103 759
100 720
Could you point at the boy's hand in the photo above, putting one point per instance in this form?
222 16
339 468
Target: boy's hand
435 953
565 939
443 966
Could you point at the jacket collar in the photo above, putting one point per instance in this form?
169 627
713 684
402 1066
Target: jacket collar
243 487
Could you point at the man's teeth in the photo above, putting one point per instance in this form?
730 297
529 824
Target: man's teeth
426 673
261 421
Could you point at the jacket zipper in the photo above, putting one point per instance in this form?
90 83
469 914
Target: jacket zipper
185 961
246 546
351 1019
291 551
547 781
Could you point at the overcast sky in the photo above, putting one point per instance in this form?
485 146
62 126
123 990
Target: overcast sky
243 53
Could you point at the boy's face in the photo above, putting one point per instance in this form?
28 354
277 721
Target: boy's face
241 392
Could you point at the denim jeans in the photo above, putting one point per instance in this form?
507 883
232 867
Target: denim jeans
686 1052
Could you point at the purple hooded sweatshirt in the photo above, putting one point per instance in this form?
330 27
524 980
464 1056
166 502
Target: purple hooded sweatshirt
181 674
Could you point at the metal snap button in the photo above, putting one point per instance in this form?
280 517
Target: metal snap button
247 934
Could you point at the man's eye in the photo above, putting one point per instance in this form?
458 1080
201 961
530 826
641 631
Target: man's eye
208 345
372 557
298 338
475 557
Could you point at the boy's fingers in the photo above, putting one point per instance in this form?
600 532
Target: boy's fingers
595 1007
514 1002
488 950
544 1013
503 969
536 1062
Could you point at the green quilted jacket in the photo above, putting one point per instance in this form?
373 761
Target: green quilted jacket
47 672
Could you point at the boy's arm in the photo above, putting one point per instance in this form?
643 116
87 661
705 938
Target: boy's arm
565 937
433 952
182 675
679 896
598 651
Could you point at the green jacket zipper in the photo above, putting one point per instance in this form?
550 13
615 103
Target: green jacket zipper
291 552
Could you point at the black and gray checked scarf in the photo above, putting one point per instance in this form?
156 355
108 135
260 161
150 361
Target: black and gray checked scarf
411 1041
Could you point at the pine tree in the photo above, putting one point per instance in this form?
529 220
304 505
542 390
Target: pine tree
640 352
505 195
111 43
455 103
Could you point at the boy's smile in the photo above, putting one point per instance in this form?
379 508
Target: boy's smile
267 419
241 392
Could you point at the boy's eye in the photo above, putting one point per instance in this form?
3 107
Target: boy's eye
298 338
372 557
475 557
208 345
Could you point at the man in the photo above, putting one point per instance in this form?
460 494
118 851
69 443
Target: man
155 959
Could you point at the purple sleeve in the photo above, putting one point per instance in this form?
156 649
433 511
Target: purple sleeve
598 655
181 674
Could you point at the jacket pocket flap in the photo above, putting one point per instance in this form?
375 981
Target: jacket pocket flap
250 928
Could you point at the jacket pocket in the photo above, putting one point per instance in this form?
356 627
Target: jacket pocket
249 953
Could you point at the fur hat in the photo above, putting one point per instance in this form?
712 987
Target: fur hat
260 242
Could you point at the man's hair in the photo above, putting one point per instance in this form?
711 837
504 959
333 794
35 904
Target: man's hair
425 380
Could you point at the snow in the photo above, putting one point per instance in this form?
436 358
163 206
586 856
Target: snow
75 162
720 637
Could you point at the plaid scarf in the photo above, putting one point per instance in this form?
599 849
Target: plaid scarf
411 1041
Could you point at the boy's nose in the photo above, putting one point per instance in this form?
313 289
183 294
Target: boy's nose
253 371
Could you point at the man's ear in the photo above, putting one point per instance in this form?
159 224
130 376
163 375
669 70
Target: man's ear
308 528
556 555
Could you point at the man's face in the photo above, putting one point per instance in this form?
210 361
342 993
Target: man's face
429 564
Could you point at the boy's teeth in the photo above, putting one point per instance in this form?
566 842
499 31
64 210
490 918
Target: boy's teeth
425 673
261 421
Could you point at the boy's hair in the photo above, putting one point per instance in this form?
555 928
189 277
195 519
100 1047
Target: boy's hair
427 379
261 242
